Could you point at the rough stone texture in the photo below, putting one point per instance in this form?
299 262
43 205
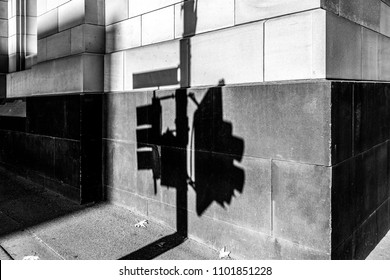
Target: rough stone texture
58 45
343 49
271 116
364 12
66 75
301 201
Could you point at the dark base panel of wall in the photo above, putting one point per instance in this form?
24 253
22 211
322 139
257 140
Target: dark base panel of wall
57 145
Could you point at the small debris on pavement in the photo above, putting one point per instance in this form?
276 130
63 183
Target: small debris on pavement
223 254
31 258
142 224
161 244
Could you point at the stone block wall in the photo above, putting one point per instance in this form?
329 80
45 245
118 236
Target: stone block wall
253 123
70 50
4 36
62 154
251 169
294 41
57 143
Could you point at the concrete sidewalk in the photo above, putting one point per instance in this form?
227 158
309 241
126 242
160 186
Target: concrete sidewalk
37 222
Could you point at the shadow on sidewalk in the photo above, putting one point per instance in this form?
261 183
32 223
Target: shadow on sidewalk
157 248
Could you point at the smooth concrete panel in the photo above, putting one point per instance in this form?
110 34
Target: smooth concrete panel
41 7
363 12
51 4
206 11
295 47
342 118
3 10
150 59
138 7
30 61
215 57
3 28
31 25
252 10
94 38
58 76
94 12
12 45
42 50
235 239
203 17
158 26
250 208
343 49
371 123
116 11
67 162
301 201
114 72
48 24
93 73
266 118
120 165
343 202
120 115
71 14
3 45
58 45
370 55
385 19
31 44
3 69
384 57
87 38
77 39
81 73
123 35
127 200
12 26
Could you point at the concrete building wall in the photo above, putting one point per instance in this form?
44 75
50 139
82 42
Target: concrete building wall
212 117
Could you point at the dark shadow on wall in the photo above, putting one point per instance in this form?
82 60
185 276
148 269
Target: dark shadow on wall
214 151
211 147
